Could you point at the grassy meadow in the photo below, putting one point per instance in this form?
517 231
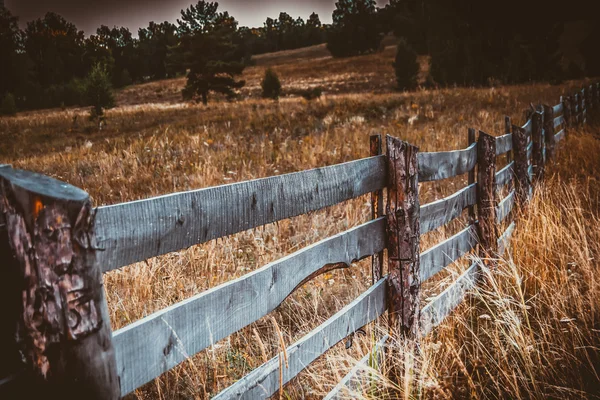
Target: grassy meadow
531 332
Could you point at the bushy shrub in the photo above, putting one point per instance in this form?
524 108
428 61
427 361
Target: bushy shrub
406 66
271 86
98 90
8 106
311 94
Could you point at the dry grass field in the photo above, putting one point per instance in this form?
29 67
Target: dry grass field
532 332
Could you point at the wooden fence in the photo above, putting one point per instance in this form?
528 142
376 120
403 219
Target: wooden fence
55 247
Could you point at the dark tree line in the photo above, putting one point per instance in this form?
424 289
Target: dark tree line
47 63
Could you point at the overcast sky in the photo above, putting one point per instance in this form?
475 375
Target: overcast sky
90 14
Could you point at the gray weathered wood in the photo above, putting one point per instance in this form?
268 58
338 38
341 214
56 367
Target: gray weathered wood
558 109
136 231
434 313
505 207
538 144
63 327
445 253
486 195
376 211
522 182
352 383
503 144
440 212
528 127
446 164
509 155
157 343
505 175
403 238
559 136
264 381
530 151
559 121
504 239
470 180
549 130
566 110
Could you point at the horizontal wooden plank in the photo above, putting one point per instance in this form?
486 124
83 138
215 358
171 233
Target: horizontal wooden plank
157 343
559 136
138 230
504 239
558 109
505 175
264 381
505 207
503 144
440 256
440 212
559 121
352 383
446 164
434 313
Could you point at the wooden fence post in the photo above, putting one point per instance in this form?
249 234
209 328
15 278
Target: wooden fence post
538 144
566 111
471 177
583 108
403 229
549 129
376 211
509 155
522 181
577 111
486 195
63 328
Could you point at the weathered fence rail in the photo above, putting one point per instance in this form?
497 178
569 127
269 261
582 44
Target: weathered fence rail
55 246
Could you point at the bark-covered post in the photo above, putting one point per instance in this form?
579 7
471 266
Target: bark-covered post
538 144
486 195
566 111
471 177
63 328
549 129
376 211
522 182
403 229
577 111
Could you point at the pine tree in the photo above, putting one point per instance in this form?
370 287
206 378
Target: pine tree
355 28
98 90
210 52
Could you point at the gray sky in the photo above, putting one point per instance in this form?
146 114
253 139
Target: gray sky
90 14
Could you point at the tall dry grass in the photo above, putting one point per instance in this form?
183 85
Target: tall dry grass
153 145
531 329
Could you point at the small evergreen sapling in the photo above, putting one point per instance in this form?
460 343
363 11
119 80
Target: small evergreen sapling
271 86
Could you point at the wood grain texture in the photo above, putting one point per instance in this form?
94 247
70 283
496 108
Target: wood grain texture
505 207
559 136
549 129
136 231
446 164
486 194
470 179
157 343
376 210
559 121
434 313
505 175
440 212
351 385
504 240
522 181
445 253
503 144
558 109
403 238
63 327
538 145
264 381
